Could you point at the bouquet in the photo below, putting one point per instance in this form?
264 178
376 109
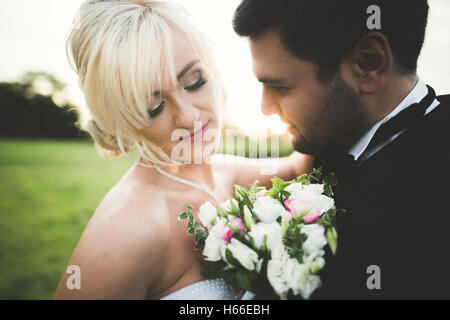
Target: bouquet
269 242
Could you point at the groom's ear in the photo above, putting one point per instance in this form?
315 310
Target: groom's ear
369 63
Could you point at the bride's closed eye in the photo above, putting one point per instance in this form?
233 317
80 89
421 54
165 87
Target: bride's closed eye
154 112
195 81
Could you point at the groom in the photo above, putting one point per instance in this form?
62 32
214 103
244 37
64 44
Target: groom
342 74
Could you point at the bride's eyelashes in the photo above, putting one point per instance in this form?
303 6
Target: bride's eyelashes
199 81
195 84
153 113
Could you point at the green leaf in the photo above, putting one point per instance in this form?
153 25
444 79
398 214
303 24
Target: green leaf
328 191
189 206
317 175
330 179
197 225
302 179
190 215
230 258
243 281
200 237
296 254
182 216
211 270
264 246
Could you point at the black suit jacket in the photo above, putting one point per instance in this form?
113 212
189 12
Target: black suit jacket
398 218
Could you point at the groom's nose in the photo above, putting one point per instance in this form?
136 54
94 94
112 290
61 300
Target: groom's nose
269 102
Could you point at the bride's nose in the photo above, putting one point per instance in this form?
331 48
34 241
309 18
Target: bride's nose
186 113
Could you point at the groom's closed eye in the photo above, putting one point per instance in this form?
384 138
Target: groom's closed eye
274 84
278 88
272 81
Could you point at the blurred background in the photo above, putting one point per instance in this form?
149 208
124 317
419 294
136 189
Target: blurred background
52 179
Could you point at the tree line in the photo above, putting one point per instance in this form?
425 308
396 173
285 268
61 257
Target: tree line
26 112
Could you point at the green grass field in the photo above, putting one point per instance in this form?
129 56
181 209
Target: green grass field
48 192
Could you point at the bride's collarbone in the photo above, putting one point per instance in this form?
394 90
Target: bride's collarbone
188 195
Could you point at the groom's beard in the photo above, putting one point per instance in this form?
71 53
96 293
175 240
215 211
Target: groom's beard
337 125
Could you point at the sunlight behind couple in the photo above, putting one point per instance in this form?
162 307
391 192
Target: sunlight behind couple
38 44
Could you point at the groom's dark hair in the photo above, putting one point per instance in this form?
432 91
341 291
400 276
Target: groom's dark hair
324 31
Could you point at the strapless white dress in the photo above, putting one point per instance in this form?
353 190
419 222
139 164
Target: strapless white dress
211 289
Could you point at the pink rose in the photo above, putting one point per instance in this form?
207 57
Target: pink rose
295 206
226 232
238 223
312 216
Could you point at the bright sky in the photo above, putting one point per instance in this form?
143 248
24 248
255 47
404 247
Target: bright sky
32 38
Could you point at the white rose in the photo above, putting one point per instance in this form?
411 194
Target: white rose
213 244
323 203
315 242
299 278
311 193
267 210
295 273
286 273
276 271
307 286
207 214
272 231
276 277
262 193
313 188
247 257
279 253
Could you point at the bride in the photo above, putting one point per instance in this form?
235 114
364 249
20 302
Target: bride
150 84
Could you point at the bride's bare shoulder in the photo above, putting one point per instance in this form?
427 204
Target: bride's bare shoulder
121 252
133 195
133 201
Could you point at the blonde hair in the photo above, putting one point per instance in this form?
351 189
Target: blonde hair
121 51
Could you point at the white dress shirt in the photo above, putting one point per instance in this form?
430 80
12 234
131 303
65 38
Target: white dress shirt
416 95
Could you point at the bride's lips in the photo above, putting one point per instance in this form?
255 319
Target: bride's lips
197 134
